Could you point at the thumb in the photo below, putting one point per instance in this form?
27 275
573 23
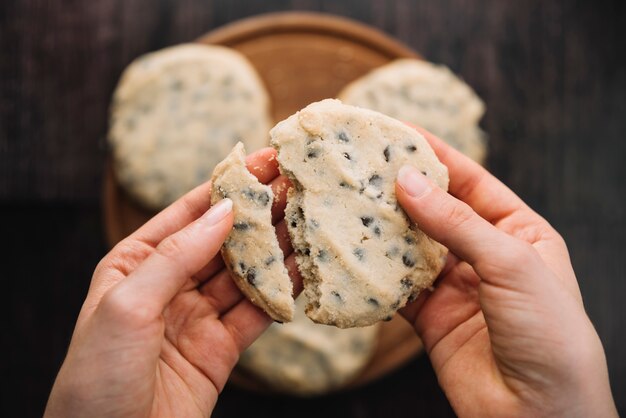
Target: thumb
492 253
151 286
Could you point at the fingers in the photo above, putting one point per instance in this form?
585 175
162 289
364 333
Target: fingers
176 259
263 165
473 184
216 265
192 205
223 294
435 314
455 225
245 323
283 238
213 267
280 186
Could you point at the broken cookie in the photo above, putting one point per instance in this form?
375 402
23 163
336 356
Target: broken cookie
251 251
360 256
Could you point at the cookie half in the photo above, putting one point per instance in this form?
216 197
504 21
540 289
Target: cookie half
251 251
424 94
177 112
360 256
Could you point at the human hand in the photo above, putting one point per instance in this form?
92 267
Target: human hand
505 329
163 323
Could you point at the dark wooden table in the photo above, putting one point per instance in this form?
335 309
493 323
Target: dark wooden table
553 75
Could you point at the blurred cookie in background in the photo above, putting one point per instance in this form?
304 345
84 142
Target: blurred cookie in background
424 94
304 358
179 111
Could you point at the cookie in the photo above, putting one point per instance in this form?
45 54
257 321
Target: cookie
176 113
304 358
424 94
251 252
360 256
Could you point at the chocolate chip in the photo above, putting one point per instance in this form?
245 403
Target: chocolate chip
344 185
336 295
343 137
411 148
251 276
346 156
263 198
393 251
424 173
367 220
376 180
406 283
312 153
386 153
269 260
307 251
373 302
408 260
359 253
322 256
249 193
241 226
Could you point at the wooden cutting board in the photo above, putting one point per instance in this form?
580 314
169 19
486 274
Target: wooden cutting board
301 58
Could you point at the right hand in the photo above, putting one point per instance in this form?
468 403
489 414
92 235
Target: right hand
505 329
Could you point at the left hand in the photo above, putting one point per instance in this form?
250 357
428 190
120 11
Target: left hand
163 323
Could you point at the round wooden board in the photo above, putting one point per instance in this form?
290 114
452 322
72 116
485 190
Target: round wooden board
301 58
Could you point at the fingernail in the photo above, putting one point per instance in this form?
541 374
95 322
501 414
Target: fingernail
412 181
218 211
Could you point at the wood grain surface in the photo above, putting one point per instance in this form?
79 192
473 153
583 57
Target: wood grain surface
553 76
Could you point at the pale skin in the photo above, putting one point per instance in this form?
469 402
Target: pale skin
163 324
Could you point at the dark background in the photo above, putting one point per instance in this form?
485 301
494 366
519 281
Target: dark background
553 76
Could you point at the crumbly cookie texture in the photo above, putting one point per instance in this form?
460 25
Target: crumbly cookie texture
177 112
251 251
424 94
305 358
360 256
